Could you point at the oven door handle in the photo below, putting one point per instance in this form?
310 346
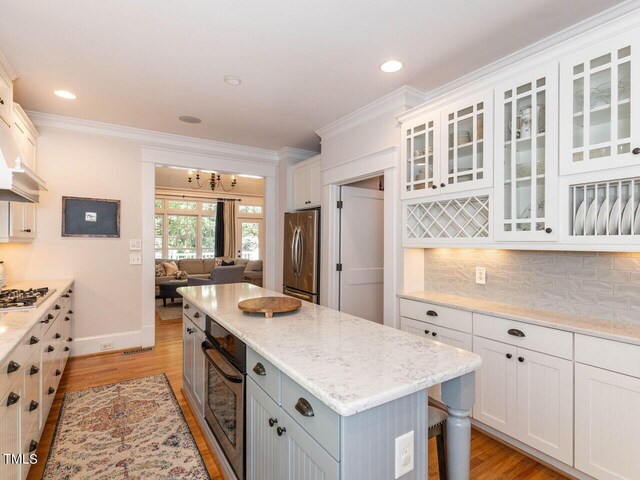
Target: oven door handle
206 346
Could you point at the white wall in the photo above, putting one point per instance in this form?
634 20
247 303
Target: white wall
108 289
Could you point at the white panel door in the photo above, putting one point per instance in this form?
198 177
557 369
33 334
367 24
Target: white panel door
545 404
264 456
362 253
607 424
496 385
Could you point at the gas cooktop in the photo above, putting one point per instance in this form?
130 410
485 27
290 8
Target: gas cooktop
15 299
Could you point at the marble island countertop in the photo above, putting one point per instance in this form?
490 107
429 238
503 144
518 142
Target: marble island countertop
349 363
611 329
15 325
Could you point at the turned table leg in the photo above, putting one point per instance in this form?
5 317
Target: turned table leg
458 395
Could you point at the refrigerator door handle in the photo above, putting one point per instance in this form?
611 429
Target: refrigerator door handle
300 250
293 250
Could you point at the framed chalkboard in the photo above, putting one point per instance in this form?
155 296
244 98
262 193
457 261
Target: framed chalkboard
90 217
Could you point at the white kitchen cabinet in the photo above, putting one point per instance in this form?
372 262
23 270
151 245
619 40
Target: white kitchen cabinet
26 136
194 363
526 157
600 106
10 423
6 98
422 156
307 187
188 352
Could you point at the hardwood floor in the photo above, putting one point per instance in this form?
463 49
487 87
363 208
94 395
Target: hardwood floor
490 460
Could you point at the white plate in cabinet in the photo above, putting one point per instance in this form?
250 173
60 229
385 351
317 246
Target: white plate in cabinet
607 428
526 161
437 314
600 106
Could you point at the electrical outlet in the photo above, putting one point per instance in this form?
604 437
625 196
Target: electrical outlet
106 346
135 258
404 454
481 275
135 244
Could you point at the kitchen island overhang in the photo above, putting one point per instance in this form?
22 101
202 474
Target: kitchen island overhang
361 370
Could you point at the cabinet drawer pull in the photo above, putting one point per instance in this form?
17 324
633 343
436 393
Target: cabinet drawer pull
70 291
13 366
196 315
70 312
51 390
33 445
190 330
57 335
12 399
66 295
66 349
66 319
33 405
1 101
515 332
432 313
69 339
636 151
34 370
58 372
50 349
281 431
434 333
57 307
427 332
272 421
509 355
304 408
186 306
521 359
548 229
33 340
434 187
259 369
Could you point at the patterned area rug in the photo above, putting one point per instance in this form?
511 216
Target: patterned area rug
130 430
173 311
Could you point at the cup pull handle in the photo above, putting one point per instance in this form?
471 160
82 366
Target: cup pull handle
259 369
304 408
515 332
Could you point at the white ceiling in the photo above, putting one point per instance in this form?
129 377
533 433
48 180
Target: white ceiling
303 63
176 178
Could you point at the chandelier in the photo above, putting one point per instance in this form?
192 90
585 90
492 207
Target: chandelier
215 181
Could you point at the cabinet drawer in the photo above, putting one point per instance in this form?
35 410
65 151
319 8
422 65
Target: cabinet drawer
264 374
18 356
437 315
29 446
537 338
30 400
65 299
608 354
195 315
322 423
437 333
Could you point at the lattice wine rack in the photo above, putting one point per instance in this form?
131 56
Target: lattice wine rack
456 218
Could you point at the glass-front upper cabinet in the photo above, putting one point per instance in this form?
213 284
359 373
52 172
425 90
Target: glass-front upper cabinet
526 161
467 134
421 153
600 106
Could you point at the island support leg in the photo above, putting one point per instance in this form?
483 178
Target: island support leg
458 394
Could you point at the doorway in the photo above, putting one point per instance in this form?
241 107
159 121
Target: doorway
362 249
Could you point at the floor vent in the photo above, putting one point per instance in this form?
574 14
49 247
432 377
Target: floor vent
137 350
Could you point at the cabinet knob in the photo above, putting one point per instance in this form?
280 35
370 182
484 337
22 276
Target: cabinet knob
69 339
432 313
434 187
34 370
58 372
548 230
66 319
187 306
12 399
13 366
280 431
50 316
50 349
66 349
259 369
70 311
1 101
434 334
636 151
57 307
521 359
196 315
57 335
28 230
442 185
427 332
33 405
509 355
190 331
33 445
272 421
51 390
33 340
66 295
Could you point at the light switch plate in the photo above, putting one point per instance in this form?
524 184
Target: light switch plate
135 244
135 258
404 454
481 275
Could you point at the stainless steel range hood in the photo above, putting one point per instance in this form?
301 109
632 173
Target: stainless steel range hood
18 183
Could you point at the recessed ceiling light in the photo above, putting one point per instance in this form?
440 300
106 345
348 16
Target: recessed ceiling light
391 66
232 80
189 119
65 94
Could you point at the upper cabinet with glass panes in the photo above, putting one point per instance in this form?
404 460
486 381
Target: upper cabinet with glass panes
449 150
600 106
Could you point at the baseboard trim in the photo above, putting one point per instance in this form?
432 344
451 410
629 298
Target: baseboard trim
526 450
121 341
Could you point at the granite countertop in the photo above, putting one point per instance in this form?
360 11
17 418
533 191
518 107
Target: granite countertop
15 325
611 329
349 363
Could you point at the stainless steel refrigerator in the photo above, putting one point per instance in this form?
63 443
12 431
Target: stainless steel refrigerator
301 269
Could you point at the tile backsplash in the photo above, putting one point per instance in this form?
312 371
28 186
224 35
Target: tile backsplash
597 285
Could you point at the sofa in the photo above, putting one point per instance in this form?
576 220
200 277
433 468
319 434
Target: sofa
202 268
220 275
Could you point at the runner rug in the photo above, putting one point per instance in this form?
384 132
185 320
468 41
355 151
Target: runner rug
128 430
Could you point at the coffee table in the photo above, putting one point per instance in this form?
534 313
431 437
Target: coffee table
168 289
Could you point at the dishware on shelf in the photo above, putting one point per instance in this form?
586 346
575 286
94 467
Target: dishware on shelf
464 137
627 217
523 170
592 214
602 95
419 153
578 221
636 222
523 123
603 216
614 215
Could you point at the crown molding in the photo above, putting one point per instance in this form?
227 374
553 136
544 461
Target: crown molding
295 155
6 67
151 138
405 96
612 21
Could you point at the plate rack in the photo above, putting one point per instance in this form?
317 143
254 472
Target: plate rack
605 208
456 218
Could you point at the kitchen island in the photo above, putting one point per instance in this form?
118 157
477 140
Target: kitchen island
367 380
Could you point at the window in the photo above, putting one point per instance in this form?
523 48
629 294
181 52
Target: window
159 234
250 239
173 205
255 209
182 236
208 232
159 203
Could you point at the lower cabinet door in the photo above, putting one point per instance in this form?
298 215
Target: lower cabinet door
262 442
188 332
496 389
545 404
302 457
10 431
199 370
607 424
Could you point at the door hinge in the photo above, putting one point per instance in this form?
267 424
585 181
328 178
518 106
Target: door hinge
338 267
339 204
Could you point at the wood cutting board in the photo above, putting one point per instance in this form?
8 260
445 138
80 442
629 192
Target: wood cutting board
270 305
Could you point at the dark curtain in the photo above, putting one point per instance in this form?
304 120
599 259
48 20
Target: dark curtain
219 250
